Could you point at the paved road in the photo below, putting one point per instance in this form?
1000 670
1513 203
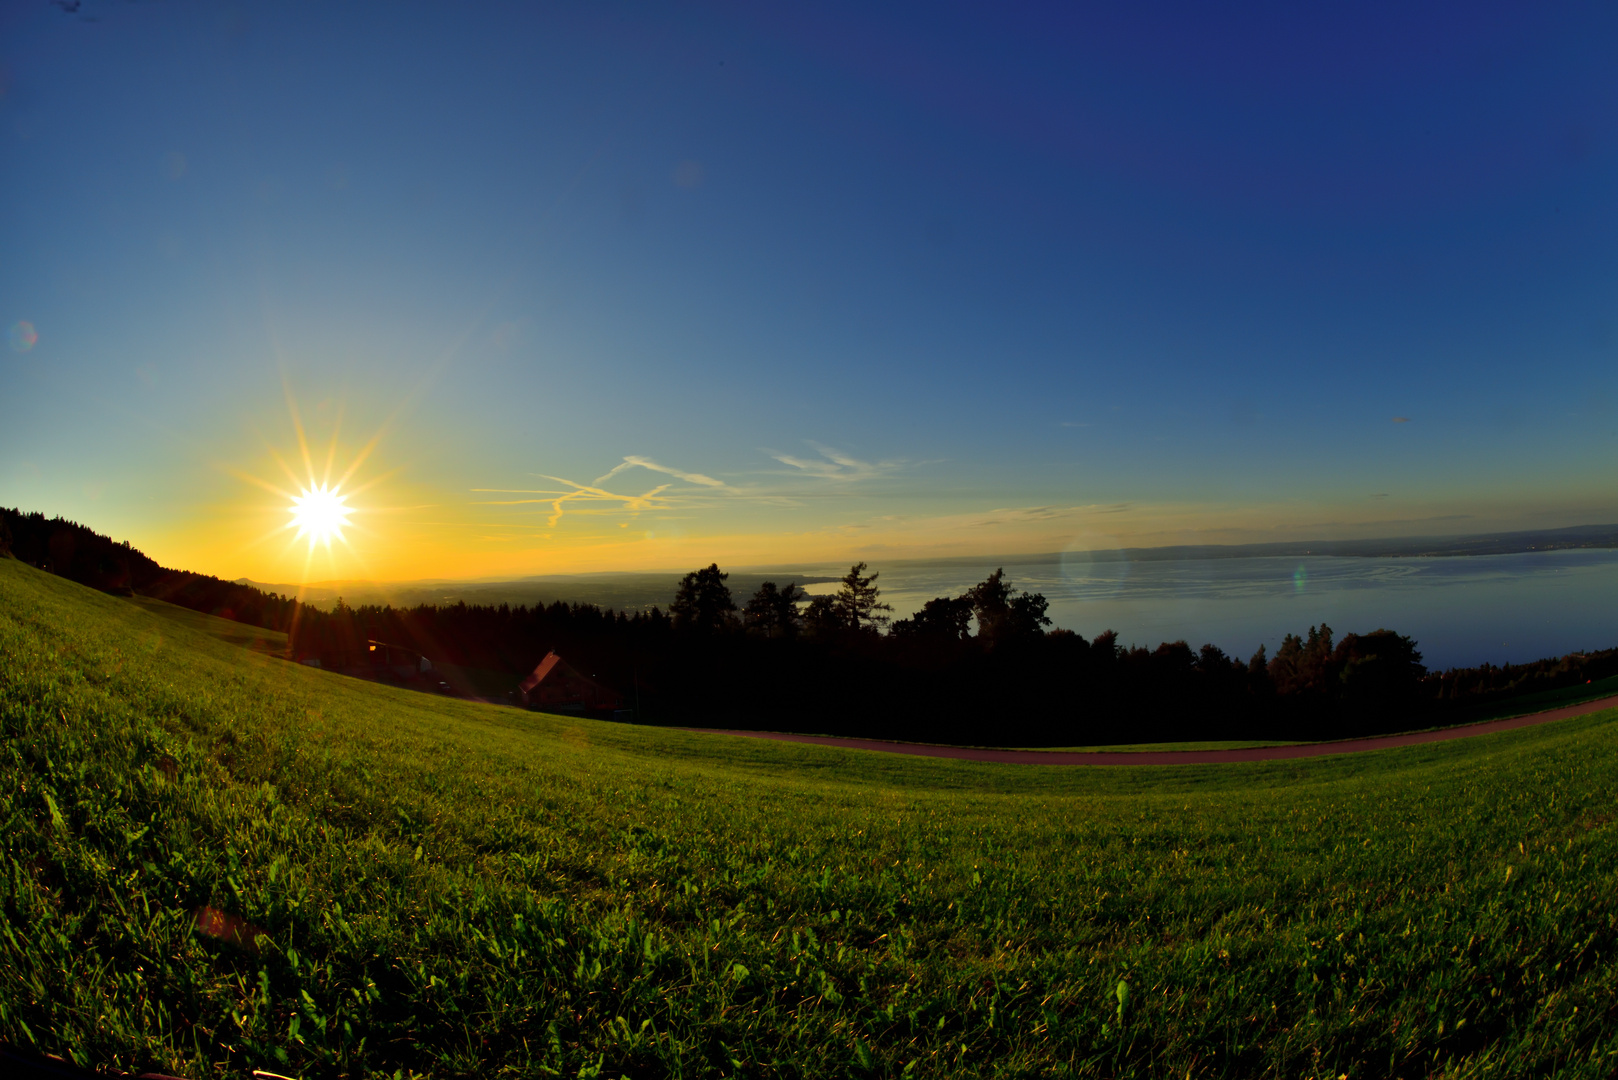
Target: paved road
1180 757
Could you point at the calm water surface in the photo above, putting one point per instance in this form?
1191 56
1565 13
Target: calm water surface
1461 611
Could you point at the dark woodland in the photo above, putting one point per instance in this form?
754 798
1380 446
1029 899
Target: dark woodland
980 668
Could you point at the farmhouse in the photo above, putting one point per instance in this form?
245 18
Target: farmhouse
557 686
396 660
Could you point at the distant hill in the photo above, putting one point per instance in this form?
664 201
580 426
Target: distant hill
1400 547
1506 543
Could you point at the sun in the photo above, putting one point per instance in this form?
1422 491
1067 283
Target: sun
320 513
315 500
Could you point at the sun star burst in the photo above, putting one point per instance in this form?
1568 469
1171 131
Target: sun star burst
320 513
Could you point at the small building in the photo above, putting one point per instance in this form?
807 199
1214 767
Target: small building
557 686
396 660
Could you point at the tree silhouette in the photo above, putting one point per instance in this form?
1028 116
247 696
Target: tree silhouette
822 618
1003 615
1303 666
944 618
1315 665
702 603
773 611
1378 672
1028 616
856 602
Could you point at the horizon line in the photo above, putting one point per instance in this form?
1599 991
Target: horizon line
1270 548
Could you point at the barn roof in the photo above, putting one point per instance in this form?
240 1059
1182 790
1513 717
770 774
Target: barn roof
551 663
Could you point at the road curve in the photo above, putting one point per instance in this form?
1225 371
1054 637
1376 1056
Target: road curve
1179 757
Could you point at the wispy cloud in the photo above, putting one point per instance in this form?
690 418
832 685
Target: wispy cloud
588 498
1022 515
597 497
647 463
836 465
687 490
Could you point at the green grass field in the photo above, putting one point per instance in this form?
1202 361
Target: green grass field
1544 699
1125 748
252 637
457 890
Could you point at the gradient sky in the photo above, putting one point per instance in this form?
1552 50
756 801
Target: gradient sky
803 282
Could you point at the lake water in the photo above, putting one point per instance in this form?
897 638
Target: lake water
1461 611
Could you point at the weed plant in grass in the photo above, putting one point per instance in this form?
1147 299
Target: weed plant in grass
457 890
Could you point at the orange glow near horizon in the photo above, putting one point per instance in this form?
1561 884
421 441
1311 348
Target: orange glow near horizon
316 508
422 529
315 504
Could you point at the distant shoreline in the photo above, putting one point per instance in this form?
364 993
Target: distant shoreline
1410 547
629 590
605 587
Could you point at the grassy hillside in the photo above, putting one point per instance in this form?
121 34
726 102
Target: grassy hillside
1539 702
252 637
403 884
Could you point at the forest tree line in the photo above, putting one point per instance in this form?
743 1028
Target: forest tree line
980 667
76 552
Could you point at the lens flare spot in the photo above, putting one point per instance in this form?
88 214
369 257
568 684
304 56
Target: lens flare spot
1300 578
23 336
320 513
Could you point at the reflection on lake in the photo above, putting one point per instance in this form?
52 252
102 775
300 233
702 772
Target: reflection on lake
1462 611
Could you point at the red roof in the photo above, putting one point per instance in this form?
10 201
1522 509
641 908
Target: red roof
537 676
557 682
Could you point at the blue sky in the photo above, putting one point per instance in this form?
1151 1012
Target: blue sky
779 284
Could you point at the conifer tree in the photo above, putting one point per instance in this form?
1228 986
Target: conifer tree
856 602
703 602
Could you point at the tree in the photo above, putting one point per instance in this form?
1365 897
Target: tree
1002 615
1379 672
991 603
773 611
856 602
1028 618
1315 665
702 603
1105 648
1173 661
1286 666
1258 673
944 618
822 618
